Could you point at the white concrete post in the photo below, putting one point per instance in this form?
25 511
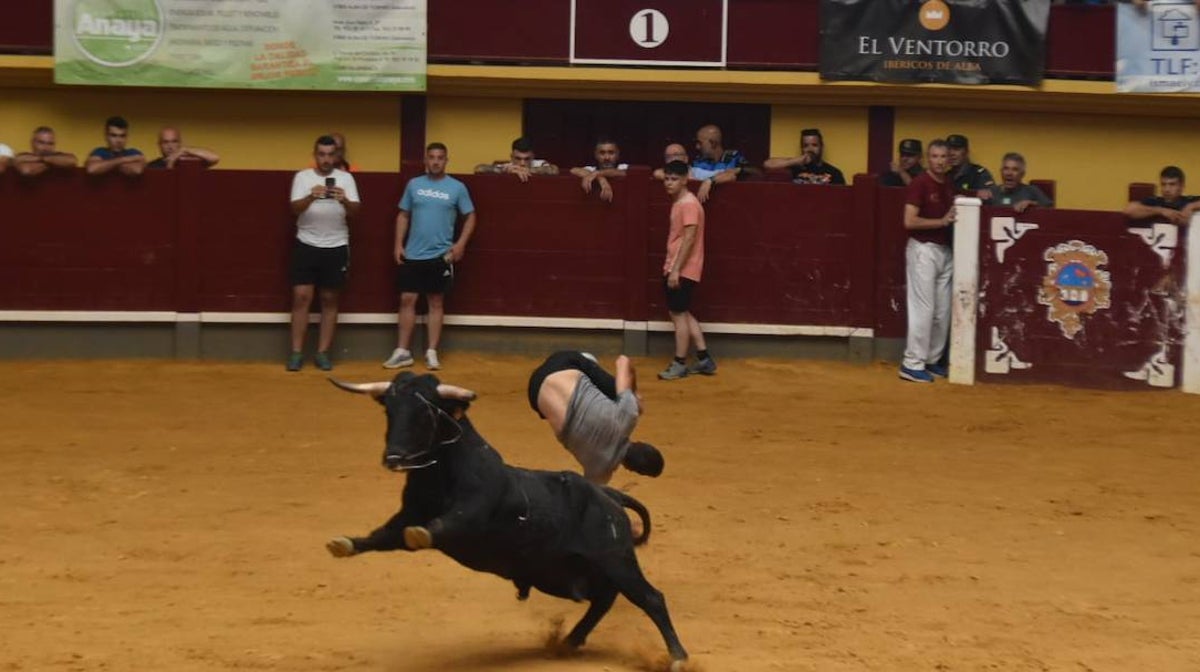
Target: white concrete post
1191 340
965 293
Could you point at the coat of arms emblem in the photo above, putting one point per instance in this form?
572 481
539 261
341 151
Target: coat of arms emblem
1074 284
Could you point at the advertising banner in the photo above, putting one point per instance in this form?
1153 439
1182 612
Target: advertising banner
373 45
1158 47
949 41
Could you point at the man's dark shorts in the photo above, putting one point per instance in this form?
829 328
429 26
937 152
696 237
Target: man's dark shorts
324 267
425 276
679 300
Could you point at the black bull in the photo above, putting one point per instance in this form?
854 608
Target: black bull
553 531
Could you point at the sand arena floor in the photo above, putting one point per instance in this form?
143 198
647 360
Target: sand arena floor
813 516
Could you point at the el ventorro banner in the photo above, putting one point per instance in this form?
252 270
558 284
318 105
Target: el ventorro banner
948 41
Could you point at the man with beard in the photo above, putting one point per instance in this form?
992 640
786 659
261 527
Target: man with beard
323 199
608 164
810 166
906 167
969 179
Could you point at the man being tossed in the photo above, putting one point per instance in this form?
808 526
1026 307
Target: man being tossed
593 414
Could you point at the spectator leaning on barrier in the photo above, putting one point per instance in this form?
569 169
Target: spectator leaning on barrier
6 156
343 162
172 151
810 166
906 166
714 164
1013 192
1171 204
608 164
929 264
969 179
673 152
682 269
521 163
115 154
324 199
429 209
44 154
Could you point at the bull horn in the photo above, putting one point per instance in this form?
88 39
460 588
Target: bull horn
455 392
374 389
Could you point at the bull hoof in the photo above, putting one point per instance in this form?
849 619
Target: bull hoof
340 547
679 665
417 538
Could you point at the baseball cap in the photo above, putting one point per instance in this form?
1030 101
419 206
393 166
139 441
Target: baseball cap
956 141
910 146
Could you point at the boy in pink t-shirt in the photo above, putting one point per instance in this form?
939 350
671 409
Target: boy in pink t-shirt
681 273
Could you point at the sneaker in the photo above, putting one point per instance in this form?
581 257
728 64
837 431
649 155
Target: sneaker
323 361
295 361
705 367
673 371
915 375
431 360
400 358
939 370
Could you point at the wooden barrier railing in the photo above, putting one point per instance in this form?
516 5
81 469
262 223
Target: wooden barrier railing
781 259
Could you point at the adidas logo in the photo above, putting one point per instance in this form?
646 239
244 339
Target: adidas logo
433 193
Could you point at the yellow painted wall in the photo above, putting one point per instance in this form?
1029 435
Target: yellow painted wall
474 130
1093 158
250 130
843 128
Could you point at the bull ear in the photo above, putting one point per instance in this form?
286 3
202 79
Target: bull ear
455 392
376 390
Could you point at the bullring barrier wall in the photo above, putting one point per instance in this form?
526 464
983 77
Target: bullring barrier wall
782 260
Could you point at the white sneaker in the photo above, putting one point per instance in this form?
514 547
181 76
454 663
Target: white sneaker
431 360
400 358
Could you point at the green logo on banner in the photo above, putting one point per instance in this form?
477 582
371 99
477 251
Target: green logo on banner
117 33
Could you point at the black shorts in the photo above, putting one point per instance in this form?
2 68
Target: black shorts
679 300
325 267
570 359
425 276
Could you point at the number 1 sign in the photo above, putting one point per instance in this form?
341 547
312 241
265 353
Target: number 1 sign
649 32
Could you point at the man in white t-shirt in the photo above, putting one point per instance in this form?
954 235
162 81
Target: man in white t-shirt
323 198
6 156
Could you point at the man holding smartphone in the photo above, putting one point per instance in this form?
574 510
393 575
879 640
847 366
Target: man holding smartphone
324 198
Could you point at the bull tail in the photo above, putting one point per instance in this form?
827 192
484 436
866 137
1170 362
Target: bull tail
630 503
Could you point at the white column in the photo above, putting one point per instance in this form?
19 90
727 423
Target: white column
1191 341
965 296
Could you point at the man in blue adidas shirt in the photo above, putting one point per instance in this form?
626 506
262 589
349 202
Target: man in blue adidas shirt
429 210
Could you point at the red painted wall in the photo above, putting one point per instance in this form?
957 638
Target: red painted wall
782 34
197 240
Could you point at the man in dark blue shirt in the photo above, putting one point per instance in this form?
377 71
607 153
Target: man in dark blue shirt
115 155
1171 205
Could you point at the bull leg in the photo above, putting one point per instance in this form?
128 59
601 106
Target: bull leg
388 537
602 601
627 575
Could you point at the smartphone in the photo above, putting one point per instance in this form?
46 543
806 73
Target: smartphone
330 183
